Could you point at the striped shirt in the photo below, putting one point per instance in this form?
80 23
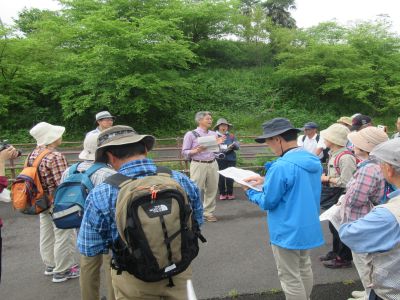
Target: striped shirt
51 168
99 230
364 190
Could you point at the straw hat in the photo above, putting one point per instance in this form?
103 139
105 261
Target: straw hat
120 135
45 133
366 139
89 146
336 133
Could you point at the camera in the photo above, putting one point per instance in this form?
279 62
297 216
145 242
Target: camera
4 145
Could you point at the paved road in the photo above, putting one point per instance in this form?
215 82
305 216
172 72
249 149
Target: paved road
237 258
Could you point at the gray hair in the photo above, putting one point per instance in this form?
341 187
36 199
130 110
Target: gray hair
200 115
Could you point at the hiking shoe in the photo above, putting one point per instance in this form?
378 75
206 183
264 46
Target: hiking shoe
210 218
222 197
231 197
329 256
73 272
49 271
358 294
337 263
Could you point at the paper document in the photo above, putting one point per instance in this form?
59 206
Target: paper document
209 142
238 175
333 215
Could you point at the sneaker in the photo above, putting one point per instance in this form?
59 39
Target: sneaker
222 197
73 272
231 197
358 294
337 263
329 256
210 218
49 271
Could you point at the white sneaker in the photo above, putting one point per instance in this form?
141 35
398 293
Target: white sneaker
359 294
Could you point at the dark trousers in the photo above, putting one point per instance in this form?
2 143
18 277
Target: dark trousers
225 185
1 245
338 247
373 296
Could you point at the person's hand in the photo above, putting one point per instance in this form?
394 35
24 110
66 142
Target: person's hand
221 139
8 153
325 179
198 149
255 180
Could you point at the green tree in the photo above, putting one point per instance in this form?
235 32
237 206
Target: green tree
278 11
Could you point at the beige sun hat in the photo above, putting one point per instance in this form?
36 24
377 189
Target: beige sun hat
222 121
336 133
45 133
345 120
368 138
89 146
120 135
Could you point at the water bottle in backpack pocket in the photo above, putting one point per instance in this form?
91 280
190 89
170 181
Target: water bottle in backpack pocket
70 197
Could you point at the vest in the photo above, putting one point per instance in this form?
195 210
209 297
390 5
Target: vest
384 268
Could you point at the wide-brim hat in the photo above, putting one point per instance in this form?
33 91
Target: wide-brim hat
104 115
336 133
345 120
275 127
222 121
388 152
45 133
89 146
120 135
368 138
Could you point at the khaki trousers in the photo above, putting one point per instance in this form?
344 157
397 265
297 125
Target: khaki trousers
294 271
206 177
57 246
90 277
362 265
128 287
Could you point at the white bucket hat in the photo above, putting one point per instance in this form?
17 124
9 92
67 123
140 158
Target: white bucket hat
45 133
336 133
89 147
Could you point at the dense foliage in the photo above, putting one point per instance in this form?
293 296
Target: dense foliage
154 63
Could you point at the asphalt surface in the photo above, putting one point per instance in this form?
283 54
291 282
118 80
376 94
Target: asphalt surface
237 260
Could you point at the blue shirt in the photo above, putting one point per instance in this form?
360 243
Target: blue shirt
98 229
378 231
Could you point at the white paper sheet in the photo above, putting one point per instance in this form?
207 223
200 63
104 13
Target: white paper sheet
5 196
209 142
238 175
333 215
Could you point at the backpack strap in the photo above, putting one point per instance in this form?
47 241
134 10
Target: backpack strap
338 157
96 166
317 138
195 133
164 170
73 169
303 138
38 159
118 180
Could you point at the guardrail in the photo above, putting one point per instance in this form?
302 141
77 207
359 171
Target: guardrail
167 154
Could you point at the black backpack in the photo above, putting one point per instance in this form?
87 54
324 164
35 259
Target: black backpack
158 234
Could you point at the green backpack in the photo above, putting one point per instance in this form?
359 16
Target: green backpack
158 234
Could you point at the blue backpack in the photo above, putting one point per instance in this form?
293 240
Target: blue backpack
70 196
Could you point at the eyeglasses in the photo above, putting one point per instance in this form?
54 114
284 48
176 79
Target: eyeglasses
102 139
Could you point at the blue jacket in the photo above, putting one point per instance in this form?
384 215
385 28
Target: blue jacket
291 194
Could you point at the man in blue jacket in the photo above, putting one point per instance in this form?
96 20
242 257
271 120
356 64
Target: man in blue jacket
291 193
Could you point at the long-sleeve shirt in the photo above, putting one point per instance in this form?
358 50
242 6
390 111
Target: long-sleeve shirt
364 190
51 168
190 142
99 230
378 231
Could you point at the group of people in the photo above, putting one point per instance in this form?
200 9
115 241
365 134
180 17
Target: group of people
362 172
